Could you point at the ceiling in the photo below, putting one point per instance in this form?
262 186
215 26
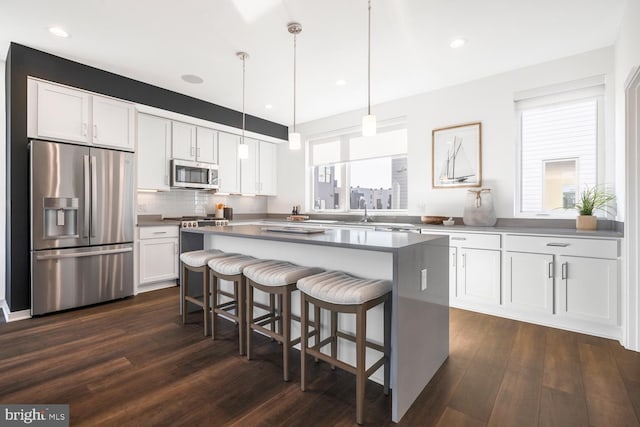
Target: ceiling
158 41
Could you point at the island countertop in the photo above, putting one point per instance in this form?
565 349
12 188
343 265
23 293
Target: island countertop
339 237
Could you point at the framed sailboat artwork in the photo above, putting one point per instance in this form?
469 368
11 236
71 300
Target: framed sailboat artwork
456 156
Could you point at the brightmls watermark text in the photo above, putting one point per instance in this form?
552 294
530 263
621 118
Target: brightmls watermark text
34 415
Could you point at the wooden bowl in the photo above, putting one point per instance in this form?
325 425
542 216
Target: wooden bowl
432 219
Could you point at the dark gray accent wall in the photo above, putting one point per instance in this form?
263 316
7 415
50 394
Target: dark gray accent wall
23 61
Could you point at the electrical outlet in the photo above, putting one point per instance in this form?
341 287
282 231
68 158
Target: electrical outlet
423 279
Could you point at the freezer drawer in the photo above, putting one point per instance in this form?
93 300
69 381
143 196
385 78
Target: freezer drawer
67 278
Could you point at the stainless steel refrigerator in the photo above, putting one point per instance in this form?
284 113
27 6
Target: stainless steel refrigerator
81 225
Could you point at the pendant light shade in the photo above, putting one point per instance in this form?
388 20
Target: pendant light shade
369 121
243 149
294 137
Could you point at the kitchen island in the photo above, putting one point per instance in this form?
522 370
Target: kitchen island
417 264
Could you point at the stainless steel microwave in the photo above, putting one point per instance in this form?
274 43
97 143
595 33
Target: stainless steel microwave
196 175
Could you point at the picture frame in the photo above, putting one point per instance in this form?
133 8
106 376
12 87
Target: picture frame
456 156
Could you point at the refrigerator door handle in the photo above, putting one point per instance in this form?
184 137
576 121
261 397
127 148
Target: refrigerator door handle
94 196
83 254
87 195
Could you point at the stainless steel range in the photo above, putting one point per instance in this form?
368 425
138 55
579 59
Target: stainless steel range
194 222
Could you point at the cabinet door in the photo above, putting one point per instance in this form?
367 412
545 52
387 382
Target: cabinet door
183 144
528 281
249 169
267 169
479 275
158 260
206 145
453 273
154 152
228 172
62 113
113 123
588 289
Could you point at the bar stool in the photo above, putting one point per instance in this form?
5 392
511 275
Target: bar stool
230 268
196 261
339 292
276 278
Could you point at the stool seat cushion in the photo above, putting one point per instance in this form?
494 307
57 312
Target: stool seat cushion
200 258
278 273
232 265
336 287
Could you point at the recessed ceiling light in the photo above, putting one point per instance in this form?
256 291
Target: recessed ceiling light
341 82
57 31
268 106
192 78
456 43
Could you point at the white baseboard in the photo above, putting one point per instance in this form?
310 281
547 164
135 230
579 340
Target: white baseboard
155 286
10 316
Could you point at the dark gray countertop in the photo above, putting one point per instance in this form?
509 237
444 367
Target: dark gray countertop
339 237
570 232
157 222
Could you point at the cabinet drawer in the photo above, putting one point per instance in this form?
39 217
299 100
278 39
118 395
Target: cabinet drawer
158 232
594 248
475 240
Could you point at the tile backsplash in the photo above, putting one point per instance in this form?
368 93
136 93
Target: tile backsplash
191 202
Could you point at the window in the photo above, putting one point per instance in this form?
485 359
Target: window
559 140
350 172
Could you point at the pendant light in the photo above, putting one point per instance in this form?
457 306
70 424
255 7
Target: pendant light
243 149
294 137
369 121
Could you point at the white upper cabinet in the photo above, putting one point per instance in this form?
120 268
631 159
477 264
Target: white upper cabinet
60 113
249 168
267 169
195 143
184 141
228 172
154 152
206 145
113 123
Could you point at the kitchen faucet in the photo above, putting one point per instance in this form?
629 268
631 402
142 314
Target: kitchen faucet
366 218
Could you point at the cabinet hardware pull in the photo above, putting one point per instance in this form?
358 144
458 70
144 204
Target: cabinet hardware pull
458 238
159 232
565 270
95 131
191 151
559 245
464 260
198 152
551 270
84 129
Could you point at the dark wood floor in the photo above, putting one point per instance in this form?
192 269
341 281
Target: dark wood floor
132 362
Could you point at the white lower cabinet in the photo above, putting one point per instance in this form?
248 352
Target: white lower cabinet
588 289
478 276
528 281
573 279
158 257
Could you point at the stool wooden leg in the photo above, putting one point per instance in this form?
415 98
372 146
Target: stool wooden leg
361 378
249 306
304 329
214 303
272 307
206 291
285 325
280 311
241 305
316 326
185 292
387 343
334 337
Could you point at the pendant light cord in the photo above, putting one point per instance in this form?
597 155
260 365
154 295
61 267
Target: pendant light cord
294 81
369 64
243 89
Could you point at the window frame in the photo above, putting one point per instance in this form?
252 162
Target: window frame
343 136
593 88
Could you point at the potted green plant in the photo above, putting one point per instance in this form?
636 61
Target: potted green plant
592 199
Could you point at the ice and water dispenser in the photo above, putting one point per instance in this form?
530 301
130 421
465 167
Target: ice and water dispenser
60 217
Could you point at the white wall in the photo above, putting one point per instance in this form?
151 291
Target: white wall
3 181
488 100
627 57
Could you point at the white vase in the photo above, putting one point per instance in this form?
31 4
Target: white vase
479 209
